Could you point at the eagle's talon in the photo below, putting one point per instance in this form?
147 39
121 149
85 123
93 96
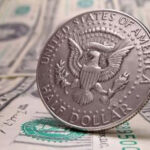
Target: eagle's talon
75 83
110 92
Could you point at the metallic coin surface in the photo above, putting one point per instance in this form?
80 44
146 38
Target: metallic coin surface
94 72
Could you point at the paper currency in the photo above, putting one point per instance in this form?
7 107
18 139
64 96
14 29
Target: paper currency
34 26
16 74
17 31
29 125
32 31
29 112
22 38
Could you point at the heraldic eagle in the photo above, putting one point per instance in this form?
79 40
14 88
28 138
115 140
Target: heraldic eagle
90 75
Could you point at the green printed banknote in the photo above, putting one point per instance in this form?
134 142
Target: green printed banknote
25 124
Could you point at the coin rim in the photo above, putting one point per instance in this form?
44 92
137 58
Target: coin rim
103 127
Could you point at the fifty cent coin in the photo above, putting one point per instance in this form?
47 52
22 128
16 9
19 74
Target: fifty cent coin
94 72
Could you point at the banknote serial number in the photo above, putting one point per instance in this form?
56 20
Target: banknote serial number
127 137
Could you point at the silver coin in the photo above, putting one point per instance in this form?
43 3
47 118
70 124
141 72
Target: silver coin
94 72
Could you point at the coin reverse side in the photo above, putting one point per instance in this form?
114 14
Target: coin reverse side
94 72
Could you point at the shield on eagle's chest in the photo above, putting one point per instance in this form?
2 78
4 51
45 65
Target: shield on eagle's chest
88 77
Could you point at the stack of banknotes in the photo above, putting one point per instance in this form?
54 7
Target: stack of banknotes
24 121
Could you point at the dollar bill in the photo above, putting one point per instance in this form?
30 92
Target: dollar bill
17 31
13 128
33 29
29 125
13 89
27 25
24 29
29 61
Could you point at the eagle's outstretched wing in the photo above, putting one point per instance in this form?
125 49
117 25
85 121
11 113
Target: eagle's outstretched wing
115 60
74 57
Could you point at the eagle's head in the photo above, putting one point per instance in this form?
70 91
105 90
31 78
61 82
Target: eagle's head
93 58
94 54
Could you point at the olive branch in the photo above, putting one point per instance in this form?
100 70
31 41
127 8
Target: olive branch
61 75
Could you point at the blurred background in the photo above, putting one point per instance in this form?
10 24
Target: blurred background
25 26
